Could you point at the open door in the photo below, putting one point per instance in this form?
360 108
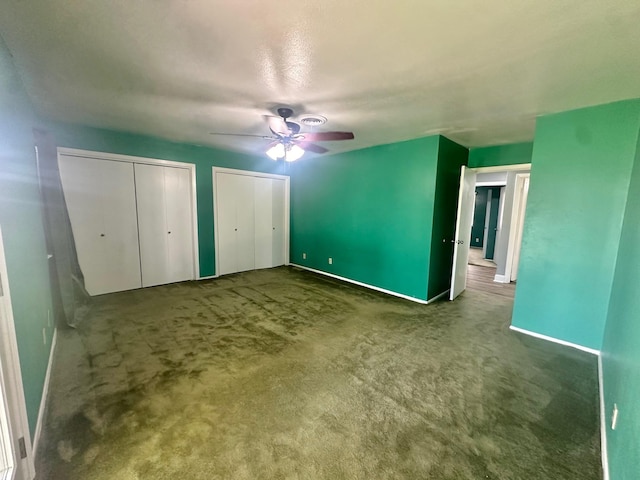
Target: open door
16 462
464 221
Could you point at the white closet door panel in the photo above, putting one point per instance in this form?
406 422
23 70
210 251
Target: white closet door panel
122 259
245 223
83 195
278 226
100 197
177 185
152 224
263 200
226 186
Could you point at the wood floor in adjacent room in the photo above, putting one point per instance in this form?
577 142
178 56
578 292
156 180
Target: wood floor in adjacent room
482 279
284 374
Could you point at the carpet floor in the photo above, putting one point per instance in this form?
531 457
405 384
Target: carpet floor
284 374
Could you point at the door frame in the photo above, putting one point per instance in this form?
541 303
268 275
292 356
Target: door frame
517 222
248 173
75 152
11 384
497 168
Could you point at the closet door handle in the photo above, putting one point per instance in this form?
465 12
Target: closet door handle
169 233
102 234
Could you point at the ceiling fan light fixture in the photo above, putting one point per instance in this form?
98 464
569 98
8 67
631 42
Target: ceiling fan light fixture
276 152
294 153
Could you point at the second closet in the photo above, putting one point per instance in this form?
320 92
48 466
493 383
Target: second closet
251 218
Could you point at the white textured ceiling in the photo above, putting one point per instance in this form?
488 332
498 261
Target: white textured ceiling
477 71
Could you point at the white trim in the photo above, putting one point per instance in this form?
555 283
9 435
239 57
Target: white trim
517 221
208 278
490 184
500 279
592 351
372 287
603 423
45 394
502 168
437 297
75 152
16 402
249 173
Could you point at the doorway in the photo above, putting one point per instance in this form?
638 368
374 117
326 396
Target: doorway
16 460
508 194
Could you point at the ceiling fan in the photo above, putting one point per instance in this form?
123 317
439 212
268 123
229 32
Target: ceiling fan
287 141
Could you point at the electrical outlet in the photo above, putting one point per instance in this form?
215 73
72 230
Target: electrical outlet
49 318
330 261
44 336
304 256
614 416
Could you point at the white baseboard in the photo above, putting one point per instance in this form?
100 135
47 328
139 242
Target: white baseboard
372 287
603 423
45 394
207 278
592 351
500 279
439 296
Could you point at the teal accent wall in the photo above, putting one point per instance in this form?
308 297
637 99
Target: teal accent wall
23 234
581 168
204 158
501 155
372 212
451 157
621 346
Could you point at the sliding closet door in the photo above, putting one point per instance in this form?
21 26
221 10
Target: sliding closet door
278 242
263 204
245 224
251 230
152 223
269 221
236 228
164 219
177 186
226 212
100 197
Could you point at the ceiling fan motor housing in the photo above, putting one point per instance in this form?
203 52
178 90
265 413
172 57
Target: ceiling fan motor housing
285 112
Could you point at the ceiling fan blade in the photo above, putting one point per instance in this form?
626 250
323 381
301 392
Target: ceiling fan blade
311 147
266 137
278 126
328 136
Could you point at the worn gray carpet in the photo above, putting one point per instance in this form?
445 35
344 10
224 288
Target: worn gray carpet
282 374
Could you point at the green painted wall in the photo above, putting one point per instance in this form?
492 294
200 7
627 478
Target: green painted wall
621 346
580 174
23 234
451 157
371 210
101 140
501 155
